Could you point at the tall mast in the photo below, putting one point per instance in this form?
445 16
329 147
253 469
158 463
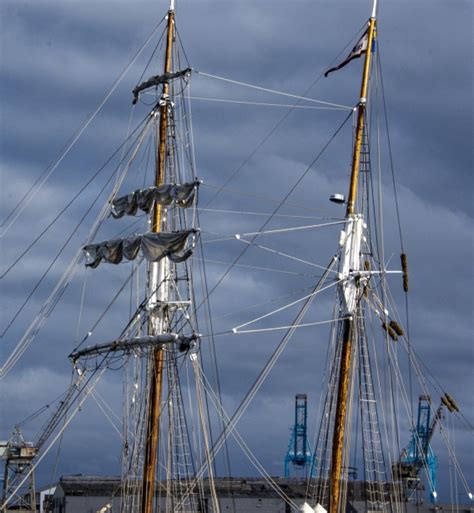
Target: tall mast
158 288
350 263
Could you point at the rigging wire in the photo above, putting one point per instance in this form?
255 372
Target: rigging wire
59 434
259 197
303 98
287 195
397 208
37 185
284 307
266 214
48 307
213 354
39 411
63 247
261 104
260 268
234 419
225 417
81 190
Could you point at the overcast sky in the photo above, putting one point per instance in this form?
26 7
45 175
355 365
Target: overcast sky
58 59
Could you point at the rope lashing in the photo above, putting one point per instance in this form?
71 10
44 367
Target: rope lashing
396 328
403 258
390 331
449 402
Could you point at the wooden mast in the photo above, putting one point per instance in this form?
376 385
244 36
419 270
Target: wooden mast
157 271
348 326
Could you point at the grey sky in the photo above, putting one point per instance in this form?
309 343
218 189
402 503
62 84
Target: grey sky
59 58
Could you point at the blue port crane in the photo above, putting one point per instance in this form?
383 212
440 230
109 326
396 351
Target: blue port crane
298 454
419 455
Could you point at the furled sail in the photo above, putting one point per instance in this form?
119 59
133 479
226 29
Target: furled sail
129 344
157 80
144 199
154 247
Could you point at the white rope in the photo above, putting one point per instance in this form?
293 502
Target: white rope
245 448
255 305
264 214
336 105
292 326
49 305
89 120
107 416
286 255
223 239
198 377
256 267
289 305
263 104
53 441
291 229
218 444
261 198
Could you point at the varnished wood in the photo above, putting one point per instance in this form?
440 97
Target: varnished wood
156 380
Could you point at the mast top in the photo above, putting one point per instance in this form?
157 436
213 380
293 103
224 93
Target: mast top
374 9
172 5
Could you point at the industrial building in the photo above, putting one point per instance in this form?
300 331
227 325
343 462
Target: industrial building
91 494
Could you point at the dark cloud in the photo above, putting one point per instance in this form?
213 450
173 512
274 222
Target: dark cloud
59 59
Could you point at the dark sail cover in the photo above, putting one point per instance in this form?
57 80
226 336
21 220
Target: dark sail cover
157 80
144 199
129 344
154 247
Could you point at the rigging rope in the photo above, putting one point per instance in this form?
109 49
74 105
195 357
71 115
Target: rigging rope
287 195
253 459
81 190
59 434
329 104
262 104
68 239
262 376
284 307
52 167
61 285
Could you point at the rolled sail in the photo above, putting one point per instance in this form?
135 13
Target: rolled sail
157 80
145 199
130 344
154 247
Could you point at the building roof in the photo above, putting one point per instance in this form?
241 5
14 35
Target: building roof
91 486
99 486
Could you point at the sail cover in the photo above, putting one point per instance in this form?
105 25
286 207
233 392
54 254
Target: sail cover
154 247
144 199
157 80
130 344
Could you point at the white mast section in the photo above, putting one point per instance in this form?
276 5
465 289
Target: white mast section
159 295
374 9
350 241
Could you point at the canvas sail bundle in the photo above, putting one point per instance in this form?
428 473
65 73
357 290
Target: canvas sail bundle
157 80
144 199
131 344
154 247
